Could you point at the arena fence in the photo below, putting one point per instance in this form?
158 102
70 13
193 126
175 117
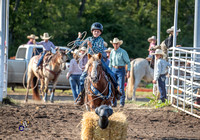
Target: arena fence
183 84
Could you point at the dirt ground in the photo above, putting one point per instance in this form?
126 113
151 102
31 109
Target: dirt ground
62 121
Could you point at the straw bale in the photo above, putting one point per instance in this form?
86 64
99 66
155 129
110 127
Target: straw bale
116 130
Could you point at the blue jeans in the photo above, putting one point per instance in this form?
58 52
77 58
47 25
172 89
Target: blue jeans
41 58
120 75
162 88
74 81
107 71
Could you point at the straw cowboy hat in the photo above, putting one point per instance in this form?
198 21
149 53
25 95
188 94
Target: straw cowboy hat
45 36
116 40
76 52
158 51
108 50
83 48
172 29
32 36
151 38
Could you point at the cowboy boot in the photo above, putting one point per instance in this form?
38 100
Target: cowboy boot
80 99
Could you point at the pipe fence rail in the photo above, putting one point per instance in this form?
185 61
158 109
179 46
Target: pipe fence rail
183 87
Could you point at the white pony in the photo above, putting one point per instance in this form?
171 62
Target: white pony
140 69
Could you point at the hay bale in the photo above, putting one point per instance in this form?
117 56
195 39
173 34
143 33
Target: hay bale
116 130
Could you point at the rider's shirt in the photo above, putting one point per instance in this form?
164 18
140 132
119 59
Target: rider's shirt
97 45
119 57
46 45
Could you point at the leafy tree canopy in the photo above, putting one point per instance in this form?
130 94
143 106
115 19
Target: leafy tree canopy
133 21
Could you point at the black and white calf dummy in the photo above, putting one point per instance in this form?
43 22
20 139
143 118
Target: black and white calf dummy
103 112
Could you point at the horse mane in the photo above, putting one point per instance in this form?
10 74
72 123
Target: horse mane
54 58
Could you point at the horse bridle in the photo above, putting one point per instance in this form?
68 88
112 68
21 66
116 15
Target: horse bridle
98 93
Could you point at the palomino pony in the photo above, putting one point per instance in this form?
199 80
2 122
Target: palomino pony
98 87
140 69
49 72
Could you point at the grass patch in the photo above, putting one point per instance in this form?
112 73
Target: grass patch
155 102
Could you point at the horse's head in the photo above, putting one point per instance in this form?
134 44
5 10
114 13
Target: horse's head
61 58
94 67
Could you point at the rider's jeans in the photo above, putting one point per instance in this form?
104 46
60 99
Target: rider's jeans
120 75
74 81
41 58
106 69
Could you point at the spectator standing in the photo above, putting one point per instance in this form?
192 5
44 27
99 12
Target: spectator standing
152 41
83 58
160 73
74 74
118 60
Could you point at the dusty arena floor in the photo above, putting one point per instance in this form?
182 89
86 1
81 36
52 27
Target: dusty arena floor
62 121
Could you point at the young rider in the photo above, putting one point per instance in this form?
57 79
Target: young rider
96 45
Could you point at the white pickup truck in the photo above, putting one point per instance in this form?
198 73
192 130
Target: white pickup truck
18 66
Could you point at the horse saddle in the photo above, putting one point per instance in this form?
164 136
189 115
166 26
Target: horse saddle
47 58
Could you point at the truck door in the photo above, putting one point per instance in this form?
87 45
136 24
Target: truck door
16 68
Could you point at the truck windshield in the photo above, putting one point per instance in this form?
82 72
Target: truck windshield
21 53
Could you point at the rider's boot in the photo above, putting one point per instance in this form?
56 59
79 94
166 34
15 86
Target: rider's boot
80 99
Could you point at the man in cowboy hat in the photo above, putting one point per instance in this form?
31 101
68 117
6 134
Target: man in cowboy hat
47 45
160 73
118 60
167 43
83 57
32 39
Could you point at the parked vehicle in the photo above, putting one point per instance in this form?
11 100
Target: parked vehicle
17 68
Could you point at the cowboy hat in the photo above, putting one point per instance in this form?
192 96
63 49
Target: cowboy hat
45 36
116 40
172 29
108 50
75 52
32 36
83 48
158 51
151 38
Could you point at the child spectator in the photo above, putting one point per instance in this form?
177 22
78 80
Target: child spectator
160 73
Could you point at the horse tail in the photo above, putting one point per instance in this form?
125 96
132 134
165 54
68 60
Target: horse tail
131 81
35 89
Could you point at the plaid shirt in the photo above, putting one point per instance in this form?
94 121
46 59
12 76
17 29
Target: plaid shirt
97 45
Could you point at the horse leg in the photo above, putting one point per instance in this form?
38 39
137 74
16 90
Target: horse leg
46 89
135 87
30 78
42 87
53 91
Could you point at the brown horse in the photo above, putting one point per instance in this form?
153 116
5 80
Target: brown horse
98 86
49 72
